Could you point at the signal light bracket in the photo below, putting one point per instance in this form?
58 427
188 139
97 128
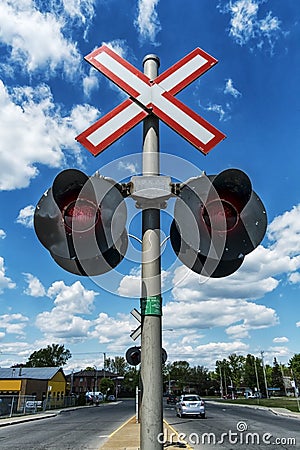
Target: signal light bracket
151 191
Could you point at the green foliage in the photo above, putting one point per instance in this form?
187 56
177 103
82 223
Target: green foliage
294 364
54 355
107 386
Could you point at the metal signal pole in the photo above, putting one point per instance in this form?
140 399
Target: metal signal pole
151 302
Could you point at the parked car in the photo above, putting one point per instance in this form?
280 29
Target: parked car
190 404
111 398
172 399
94 397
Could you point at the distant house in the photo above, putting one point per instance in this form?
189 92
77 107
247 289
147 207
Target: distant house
87 380
40 382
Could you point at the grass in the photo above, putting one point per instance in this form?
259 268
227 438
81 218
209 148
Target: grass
274 402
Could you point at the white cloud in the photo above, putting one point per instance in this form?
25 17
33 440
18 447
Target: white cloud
147 21
13 323
222 110
230 89
5 282
25 216
36 40
130 167
35 287
219 313
2 234
33 131
278 340
294 278
246 26
114 332
119 46
90 82
60 326
206 354
64 321
285 232
74 299
130 285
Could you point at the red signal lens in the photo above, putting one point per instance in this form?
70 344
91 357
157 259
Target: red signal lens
219 213
81 216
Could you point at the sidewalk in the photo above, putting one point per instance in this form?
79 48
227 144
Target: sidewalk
127 437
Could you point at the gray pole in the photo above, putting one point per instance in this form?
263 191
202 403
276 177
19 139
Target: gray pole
151 303
264 371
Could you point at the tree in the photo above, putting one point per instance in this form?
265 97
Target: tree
277 380
179 371
294 365
201 380
54 355
117 365
107 386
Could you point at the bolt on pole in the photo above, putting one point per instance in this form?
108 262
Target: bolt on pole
151 302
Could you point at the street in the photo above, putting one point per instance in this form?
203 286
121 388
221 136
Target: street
235 427
227 427
81 429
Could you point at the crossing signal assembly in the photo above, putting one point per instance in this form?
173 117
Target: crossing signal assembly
81 221
218 219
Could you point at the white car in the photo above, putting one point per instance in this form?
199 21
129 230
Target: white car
190 404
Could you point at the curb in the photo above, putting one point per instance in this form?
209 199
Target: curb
276 411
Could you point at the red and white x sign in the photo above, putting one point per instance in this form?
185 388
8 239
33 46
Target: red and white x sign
150 97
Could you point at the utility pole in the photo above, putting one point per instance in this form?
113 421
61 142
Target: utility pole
151 302
256 374
264 370
104 361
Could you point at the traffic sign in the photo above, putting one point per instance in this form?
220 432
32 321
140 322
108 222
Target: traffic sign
150 96
137 332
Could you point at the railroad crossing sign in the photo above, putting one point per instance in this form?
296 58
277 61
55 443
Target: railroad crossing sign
137 332
150 97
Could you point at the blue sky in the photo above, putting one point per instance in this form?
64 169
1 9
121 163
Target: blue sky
49 95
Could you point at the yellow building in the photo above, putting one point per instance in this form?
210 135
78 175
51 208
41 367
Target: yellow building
40 382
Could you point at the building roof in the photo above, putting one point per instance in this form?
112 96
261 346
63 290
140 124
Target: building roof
37 373
93 373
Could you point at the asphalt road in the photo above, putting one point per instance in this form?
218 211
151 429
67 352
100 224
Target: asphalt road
236 428
81 429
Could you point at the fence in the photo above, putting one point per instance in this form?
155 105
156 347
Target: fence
17 405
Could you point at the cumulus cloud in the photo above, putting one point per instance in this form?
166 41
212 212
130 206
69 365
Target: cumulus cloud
35 287
130 285
34 131
113 331
13 323
25 216
64 321
5 282
147 21
36 40
2 234
206 354
278 340
74 299
220 313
